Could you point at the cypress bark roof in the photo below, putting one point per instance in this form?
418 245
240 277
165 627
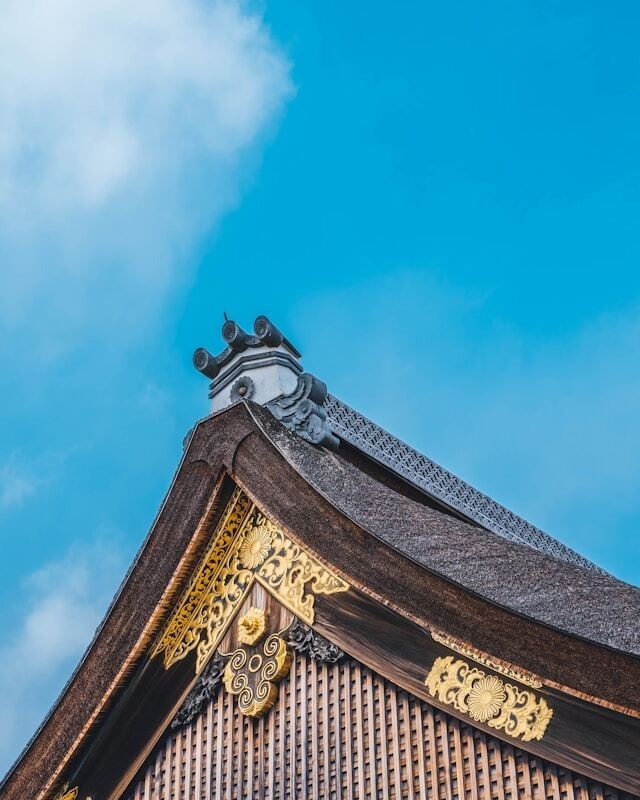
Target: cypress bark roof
441 484
423 563
567 596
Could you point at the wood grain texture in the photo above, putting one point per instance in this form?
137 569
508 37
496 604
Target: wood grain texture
393 746
589 739
233 442
425 596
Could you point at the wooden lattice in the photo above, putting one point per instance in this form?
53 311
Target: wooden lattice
339 732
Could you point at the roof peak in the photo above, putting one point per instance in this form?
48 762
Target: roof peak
261 366
265 335
265 368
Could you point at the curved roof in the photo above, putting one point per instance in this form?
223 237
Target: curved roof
530 581
397 545
436 481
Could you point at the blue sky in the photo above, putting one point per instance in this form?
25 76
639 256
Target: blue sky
438 204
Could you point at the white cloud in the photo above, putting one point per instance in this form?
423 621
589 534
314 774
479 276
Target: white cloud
124 130
61 604
16 484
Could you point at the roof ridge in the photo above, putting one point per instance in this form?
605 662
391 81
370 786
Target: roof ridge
438 482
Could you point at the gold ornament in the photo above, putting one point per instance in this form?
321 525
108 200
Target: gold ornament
255 547
515 673
252 626
253 676
486 698
245 548
66 793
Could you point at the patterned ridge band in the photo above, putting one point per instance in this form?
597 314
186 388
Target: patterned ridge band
441 484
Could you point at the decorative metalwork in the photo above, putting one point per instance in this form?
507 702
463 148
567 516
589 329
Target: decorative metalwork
304 640
66 793
471 652
442 484
255 547
252 626
253 674
246 547
206 689
184 628
301 411
486 698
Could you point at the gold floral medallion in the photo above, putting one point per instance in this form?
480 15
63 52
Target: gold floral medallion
486 698
246 547
255 547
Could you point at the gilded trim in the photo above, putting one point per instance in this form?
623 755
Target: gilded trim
463 649
245 548
252 626
66 793
487 699
254 678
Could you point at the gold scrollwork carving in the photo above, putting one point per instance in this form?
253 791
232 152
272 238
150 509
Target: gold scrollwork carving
515 673
253 678
66 793
486 698
246 547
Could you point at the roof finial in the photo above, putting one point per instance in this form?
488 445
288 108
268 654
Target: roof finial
265 368
266 338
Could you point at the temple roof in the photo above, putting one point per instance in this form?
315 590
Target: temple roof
435 480
533 581
424 553
346 424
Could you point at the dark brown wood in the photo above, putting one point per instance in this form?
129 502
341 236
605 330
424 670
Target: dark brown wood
233 442
142 712
98 676
587 738
425 597
433 757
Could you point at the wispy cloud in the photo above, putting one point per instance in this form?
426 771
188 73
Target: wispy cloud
25 472
126 131
60 606
124 134
17 483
